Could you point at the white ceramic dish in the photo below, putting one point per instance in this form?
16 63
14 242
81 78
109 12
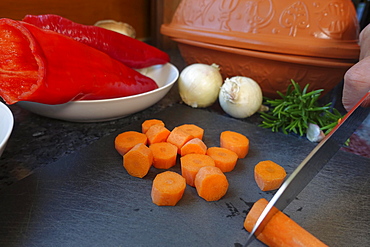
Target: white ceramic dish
103 110
6 126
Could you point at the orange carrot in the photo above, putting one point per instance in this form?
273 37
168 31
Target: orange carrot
211 183
190 165
280 230
168 188
149 122
193 130
269 175
157 133
225 159
138 160
178 138
164 155
194 146
254 214
127 140
235 142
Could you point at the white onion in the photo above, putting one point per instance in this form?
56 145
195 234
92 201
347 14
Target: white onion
240 96
199 84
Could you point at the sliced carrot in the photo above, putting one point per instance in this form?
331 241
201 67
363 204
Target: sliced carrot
138 160
178 138
168 188
164 155
194 146
269 175
280 230
211 183
127 140
157 133
193 130
254 214
149 122
225 159
235 142
190 165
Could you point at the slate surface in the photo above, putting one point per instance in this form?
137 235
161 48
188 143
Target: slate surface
88 199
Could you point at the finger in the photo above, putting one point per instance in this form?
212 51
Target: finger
356 83
364 41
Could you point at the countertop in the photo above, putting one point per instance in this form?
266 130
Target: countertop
62 184
37 141
88 199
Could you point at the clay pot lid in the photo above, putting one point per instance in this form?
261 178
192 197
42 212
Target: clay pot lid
308 28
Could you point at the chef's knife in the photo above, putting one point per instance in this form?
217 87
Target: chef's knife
313 163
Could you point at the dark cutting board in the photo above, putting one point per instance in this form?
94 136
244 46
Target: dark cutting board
88 199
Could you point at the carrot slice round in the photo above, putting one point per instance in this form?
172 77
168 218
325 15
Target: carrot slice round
157 133
235 142
127 140
269 175
225 159
194 146
168 188
164 155
211 183
178 137
190 165
193 130
150 122
138 160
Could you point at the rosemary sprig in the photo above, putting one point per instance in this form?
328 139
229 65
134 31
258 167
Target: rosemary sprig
296 109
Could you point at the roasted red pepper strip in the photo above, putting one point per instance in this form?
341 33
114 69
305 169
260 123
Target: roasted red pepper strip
47 67
132 52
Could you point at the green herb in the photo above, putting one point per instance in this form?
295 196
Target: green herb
296 109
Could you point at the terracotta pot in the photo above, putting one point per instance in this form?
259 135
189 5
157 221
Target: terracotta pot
271 41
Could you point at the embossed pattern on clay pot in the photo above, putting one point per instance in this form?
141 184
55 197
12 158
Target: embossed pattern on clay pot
271 41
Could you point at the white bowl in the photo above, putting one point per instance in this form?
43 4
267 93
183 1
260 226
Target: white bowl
103 110
6 126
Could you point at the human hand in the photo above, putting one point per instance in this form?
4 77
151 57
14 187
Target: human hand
357 78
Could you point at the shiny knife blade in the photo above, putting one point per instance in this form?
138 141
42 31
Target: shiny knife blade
313 163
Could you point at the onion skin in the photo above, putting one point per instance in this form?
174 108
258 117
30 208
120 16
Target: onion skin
240 97
199 85
117 26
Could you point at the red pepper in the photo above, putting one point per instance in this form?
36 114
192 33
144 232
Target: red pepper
132 52
47 67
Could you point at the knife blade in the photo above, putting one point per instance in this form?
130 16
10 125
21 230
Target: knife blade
313 163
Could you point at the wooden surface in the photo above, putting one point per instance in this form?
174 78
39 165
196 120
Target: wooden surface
145 16
136 13
162 13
